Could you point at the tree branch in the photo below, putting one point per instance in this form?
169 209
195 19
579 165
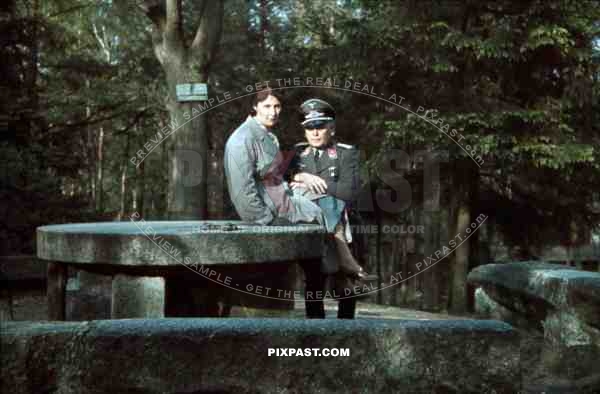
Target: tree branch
102 41
130 125
167 27
71 9
201 13
208 34
172 31
155 11
59 128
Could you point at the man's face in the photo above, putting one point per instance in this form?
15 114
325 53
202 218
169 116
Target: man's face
318 135
267 111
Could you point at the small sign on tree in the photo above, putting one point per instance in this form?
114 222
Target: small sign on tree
191 92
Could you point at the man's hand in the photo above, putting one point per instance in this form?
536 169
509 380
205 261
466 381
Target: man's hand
313 183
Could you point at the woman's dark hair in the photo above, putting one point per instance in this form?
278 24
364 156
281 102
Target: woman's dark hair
262 95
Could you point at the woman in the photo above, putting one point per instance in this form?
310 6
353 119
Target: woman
254 168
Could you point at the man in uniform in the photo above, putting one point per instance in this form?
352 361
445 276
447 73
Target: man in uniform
327 172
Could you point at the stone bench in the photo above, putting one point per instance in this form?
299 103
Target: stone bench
163 268
204 355
561 302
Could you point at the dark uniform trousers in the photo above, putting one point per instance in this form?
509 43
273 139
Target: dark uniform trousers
315 280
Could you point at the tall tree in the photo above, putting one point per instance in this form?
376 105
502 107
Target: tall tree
185 58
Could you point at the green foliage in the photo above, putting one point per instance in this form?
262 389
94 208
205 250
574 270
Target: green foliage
518 81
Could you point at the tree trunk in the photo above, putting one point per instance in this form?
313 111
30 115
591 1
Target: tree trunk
90 153
378 250
460 213
395 265
99 174
183 63
187 191
461 217
124 166
140 187
474 241
33 70
573 250
404 269
163 207
216 186
431 223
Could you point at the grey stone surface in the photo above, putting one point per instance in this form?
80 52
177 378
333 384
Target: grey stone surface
534 289
169 243
235 252
231 356
490 309
562 303
88 297
137 297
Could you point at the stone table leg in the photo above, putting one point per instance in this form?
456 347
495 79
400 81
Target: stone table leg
56 290
137 297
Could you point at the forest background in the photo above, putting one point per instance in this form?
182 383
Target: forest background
86 84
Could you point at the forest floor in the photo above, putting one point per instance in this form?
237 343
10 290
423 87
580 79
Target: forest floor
31 306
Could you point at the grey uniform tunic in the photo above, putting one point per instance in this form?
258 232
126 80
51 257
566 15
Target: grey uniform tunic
338 165
254 167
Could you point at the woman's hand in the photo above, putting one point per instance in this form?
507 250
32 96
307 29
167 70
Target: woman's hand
312 182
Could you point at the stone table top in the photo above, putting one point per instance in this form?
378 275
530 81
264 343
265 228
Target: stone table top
169 243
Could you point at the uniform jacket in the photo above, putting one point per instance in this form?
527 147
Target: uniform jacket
254 168
338 165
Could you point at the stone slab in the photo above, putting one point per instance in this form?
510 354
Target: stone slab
231 356
535 288
169 243
562 303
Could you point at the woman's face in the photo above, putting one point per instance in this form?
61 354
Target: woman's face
267 111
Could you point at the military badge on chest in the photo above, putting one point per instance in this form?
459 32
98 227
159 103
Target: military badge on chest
333 172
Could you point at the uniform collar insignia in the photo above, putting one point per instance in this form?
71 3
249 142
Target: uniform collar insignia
332 152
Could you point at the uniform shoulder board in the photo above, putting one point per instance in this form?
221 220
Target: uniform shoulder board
345 146
302 148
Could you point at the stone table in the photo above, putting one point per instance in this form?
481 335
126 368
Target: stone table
144 257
